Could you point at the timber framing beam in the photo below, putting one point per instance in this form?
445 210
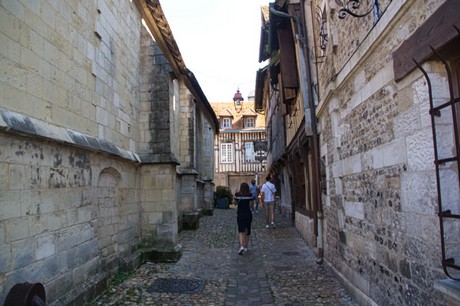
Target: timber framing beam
437 31
154 17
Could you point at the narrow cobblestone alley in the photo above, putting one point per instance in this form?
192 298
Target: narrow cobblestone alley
278 269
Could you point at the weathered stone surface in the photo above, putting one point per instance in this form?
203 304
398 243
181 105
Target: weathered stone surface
381 227
191 221
162 252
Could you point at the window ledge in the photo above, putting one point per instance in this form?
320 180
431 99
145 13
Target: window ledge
450 289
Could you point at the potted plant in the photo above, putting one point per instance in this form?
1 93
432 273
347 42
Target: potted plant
223 197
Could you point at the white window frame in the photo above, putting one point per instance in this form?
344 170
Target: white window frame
249 153
226 123
248 120
226 153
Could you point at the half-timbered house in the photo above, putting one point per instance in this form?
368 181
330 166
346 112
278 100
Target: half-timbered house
240 146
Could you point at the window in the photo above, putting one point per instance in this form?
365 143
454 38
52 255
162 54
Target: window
249 122
226 153
249 154
226 123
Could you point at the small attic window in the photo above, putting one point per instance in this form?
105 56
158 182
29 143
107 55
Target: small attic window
226 123
249 122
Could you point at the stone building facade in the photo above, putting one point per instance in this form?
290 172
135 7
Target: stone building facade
385 92
106 143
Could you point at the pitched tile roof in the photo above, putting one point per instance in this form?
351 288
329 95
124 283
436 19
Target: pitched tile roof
227 109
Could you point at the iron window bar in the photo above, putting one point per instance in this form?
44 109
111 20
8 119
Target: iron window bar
436 112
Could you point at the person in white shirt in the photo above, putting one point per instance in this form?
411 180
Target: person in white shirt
268 191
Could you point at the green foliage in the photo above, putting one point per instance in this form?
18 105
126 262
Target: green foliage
223 192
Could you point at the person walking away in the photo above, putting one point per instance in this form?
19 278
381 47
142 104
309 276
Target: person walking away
268 191
243 216
255 193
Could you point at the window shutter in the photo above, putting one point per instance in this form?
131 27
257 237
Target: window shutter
288 59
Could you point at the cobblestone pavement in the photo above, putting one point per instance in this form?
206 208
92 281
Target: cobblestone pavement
278 269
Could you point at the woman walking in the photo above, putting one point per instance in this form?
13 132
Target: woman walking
243 216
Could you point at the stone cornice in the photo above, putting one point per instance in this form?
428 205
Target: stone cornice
16 123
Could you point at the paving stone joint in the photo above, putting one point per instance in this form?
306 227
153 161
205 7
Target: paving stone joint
279 268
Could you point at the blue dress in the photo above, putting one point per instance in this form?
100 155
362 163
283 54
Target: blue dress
243 213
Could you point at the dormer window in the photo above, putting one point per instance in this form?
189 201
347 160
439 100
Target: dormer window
249 122
226 123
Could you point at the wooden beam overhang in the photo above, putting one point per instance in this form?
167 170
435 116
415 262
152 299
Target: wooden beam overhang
259 103
264 53
438 31
153 15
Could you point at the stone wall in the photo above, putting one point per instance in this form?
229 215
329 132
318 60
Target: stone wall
83 97
381 229
158 198
69 216
187 129
195 143
158 115
73 63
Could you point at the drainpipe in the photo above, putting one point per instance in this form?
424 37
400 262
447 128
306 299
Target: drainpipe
315 140
310 125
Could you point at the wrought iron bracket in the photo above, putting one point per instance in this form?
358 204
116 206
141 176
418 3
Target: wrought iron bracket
351 7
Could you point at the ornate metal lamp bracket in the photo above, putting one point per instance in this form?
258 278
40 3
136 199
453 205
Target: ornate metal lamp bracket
351 7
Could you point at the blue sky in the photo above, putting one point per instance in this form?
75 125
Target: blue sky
219 42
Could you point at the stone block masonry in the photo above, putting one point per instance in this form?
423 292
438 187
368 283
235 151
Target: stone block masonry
63 209
73 64
69 187
382 228
92 119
